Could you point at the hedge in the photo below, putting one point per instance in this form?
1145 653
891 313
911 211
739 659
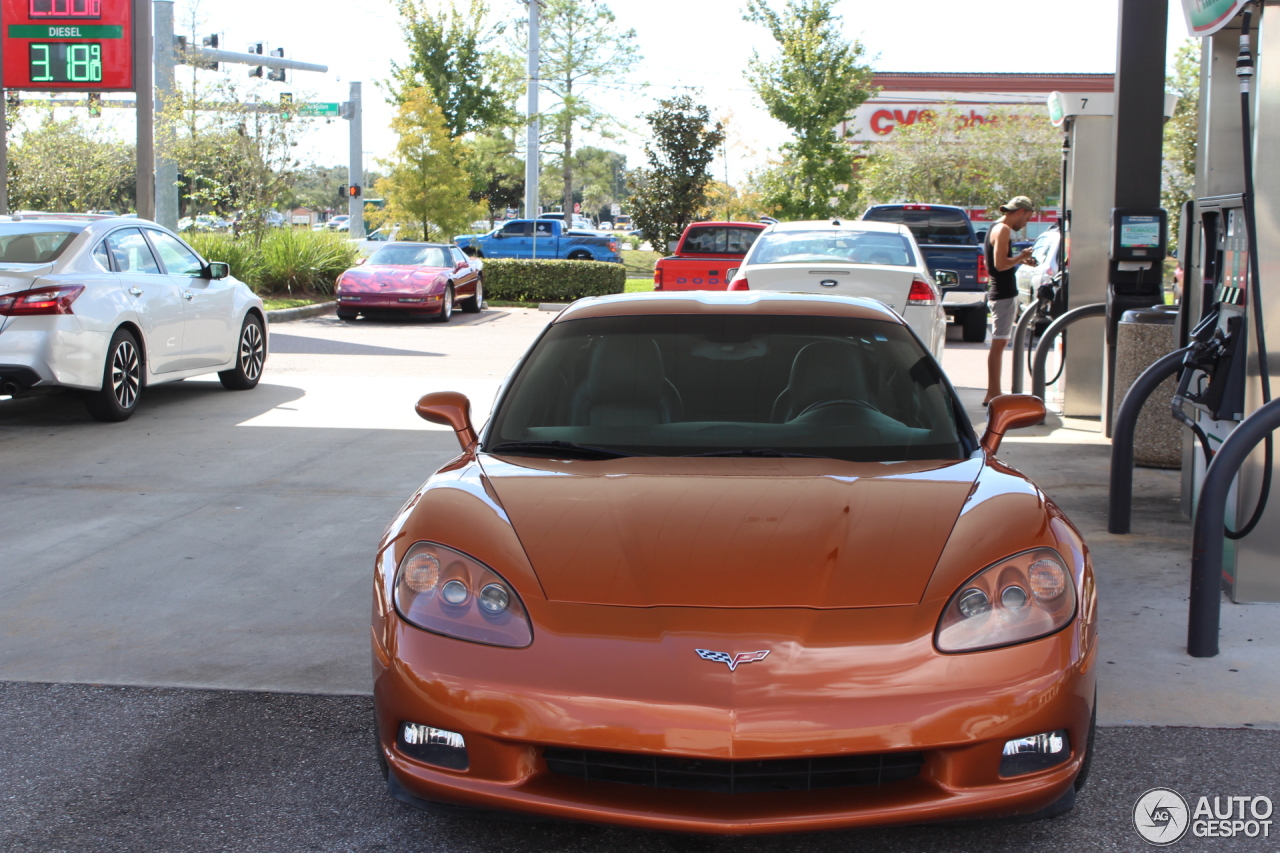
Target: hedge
551 280
283 260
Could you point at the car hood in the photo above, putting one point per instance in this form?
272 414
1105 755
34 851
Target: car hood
647 532
376 278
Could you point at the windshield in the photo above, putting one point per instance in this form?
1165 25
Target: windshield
37 243
401 255
827 247
938 226
677 385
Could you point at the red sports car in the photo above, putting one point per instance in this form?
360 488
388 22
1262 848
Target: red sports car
412 278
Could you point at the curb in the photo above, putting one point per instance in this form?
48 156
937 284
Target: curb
301 312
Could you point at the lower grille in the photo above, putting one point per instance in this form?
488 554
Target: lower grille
734 777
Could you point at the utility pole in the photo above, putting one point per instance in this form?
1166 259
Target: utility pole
354 113
165 97
531 155
144 97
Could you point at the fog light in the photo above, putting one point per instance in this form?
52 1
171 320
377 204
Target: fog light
410 298
1037 752
433 746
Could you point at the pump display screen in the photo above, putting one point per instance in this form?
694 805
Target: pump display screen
1140 232
67 45
60 62
66 8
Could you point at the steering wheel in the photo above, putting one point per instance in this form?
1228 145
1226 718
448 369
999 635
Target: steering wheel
824 404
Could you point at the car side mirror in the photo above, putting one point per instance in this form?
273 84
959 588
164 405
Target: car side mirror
461 265
947 278
216 270
451 409
498 235
671 246
1010 411
360 261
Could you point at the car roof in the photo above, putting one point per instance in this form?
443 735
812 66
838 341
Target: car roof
759 303
917 205
838 225
736 224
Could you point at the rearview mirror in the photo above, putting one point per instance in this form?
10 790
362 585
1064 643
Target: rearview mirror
217 270
451 409
1010 411
947 278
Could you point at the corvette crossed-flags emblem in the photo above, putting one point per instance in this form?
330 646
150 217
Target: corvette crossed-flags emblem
732 661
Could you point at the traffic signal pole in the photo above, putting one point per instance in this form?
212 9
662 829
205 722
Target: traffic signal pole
355 165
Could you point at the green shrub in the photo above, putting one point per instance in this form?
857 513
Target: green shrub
283 261
239 253
551 281
304 260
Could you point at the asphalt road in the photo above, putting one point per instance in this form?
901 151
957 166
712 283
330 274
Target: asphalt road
126 769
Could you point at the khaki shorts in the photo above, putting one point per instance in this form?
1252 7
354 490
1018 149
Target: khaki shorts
1003 313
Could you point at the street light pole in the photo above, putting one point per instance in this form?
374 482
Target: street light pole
165 98
144 97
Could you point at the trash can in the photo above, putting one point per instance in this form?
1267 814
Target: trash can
1144 336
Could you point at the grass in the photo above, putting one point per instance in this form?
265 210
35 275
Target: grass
639 264
639 285
274 303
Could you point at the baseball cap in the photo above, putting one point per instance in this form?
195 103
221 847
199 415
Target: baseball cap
1018 202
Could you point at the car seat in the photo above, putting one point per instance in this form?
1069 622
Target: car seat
625 386
822 372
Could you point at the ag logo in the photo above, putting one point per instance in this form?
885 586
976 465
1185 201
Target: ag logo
1161 816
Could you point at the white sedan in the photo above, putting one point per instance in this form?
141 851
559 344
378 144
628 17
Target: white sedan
110 306
877 260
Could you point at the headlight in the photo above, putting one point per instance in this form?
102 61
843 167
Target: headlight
446 592
1020 598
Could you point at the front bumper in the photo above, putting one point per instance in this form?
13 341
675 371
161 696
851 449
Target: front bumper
613 694
390 303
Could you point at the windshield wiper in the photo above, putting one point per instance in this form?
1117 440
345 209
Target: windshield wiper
558 448
760 452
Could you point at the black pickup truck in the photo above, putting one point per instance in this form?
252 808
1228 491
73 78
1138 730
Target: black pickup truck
948 242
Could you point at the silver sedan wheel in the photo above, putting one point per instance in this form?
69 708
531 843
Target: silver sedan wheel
126 374
252 351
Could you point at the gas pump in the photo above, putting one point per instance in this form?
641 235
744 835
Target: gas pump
1226 374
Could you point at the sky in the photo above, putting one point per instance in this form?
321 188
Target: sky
685 44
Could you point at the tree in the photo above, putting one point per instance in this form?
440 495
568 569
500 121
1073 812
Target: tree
672 191
817 80
581 48
450 53
426 183
68 166
1180 134
497 174
947 158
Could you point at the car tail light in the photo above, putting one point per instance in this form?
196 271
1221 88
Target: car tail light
613 246
915 207
922 293
739 284
446 592
983 277
657 277
43 300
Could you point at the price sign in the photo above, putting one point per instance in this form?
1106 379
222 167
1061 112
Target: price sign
77 45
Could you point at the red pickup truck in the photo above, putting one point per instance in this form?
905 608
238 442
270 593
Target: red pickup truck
706 256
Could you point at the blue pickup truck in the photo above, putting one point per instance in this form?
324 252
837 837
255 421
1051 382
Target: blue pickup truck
948 242
541 238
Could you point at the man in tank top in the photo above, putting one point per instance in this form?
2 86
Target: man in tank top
1002 289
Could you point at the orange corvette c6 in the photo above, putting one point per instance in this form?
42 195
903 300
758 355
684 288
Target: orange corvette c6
733 563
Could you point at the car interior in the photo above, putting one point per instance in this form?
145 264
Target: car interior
690 384
34 247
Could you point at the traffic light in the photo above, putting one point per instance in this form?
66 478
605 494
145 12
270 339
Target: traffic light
277 74
342 190
95 104
258 48
210 42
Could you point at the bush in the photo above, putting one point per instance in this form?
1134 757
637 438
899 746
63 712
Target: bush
239 253
551 281
304 260
284 259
